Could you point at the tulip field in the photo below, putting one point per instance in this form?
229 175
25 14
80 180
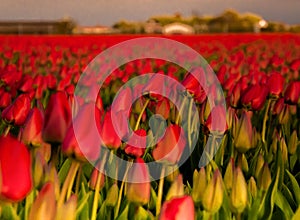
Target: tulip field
233 153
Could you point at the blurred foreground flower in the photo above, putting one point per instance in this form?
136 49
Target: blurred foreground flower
178 208
15 169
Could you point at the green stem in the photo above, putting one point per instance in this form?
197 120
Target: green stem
72 181
189 123
7 130
68 182
180 110
78 179
97 189
141 114
160 191
121 192
265 122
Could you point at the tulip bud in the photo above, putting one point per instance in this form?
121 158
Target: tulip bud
171 146
52 176
264 178
292 93
178 209
252 187
176 189
68 210
230 117
236 95
112 195
284 150
259 165
243 133
199 185
278 106
17 112
108 134
292 144
94 177
138 189
229 174
284 115
44 206
57 118
213 194
220 125
38 169
239 193
137 151
173 172
163 108
255 96
32 132
243 163
5 99
275 83
15 169
89 138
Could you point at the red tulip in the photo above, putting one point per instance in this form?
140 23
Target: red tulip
108 134
292 92
88 138
178 209
5 99
235 95
171 146
32 132
255 96
275 83
139 150
193 86
15 169
57 118
17 112
295 64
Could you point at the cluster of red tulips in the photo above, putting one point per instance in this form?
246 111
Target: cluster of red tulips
52 164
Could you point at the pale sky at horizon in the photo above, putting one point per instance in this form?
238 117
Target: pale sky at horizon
107 12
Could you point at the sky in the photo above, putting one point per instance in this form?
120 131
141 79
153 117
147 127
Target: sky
108 12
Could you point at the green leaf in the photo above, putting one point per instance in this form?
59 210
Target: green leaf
142 214
297 214
82 203
282 203
267 205
253 211
289 196
8 212
124 214
296 188
153 198
63 172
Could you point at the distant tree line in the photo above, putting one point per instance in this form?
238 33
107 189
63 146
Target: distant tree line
228 21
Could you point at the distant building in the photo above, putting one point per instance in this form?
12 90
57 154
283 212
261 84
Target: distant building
178 28
93 30
63 26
